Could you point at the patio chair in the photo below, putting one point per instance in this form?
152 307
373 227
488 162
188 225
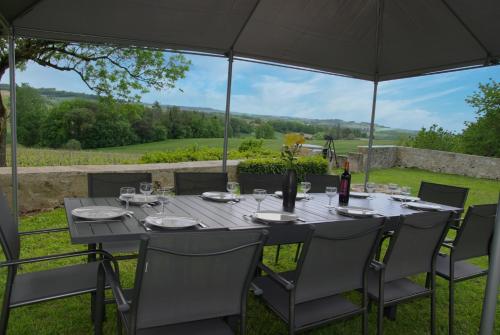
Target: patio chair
250 181
445 195
108 185
320 181
22 289
412 250
188 283
334 261
195 183
472 240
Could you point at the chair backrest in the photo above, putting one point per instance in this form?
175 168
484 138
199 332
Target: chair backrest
9 234
250 181
475 233
320 181
443 194
415 244
194 183
108 184
335 259
188 276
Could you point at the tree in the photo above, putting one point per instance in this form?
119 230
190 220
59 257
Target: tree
482 137
31 110
264 130
109 71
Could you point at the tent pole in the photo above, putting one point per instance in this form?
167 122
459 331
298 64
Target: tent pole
13 121
372 130
493 281
228 107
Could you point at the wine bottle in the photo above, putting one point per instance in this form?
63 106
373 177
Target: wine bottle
345 185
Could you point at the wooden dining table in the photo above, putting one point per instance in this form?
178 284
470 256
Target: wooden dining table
227 216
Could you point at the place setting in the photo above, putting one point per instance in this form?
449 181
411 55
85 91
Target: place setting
144 199
408 201
270 216
231 197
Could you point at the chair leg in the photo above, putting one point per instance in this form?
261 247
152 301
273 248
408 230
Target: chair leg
433 305
380 318
4 320
451 307
277 257
364 326
119 326
243 328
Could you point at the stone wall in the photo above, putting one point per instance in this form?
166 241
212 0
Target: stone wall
387 156
46 187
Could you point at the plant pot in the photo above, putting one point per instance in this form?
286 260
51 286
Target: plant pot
289 190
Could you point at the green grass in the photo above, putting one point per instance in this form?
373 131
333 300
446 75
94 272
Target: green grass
342 146
71 316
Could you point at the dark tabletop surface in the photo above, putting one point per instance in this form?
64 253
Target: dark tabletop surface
216 215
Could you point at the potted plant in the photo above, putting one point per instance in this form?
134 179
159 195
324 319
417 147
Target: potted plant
292 144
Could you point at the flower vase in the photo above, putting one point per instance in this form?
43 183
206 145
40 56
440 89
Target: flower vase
289 190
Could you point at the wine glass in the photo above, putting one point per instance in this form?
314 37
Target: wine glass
306 186
330 191
405 191
232 187
259 195
127 193
146 188
164 194
393 188
370 187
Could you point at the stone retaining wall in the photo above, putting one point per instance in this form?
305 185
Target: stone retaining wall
387 156
46 187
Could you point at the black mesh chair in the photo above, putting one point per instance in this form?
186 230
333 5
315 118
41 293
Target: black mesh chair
443 194
250 181
22 289
334 261
320 181
412 250
195 183
472 240
188 283
108 185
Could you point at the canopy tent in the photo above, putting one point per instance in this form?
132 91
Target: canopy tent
374 40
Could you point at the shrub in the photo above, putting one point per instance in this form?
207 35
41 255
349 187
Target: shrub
251 144
305 165
73 145
436 138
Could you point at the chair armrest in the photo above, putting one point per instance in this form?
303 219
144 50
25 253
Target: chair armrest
114 283
43 231
377 266
276 277
58 256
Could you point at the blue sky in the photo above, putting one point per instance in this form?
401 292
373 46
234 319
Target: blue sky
263 89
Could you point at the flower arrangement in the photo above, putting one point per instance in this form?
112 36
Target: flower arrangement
292 144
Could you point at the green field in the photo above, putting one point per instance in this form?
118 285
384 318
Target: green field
342 146
131 154
71 316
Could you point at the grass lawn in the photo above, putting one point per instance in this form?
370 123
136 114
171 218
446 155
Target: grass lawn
71 316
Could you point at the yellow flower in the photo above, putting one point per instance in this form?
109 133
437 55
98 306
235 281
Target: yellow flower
293 139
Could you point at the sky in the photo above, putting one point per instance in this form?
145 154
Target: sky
270 90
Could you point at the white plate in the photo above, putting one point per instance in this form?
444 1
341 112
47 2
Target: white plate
404 198
300 196
140 199
362 195
171 222
218 196
357 212
275 217
98 212
424 207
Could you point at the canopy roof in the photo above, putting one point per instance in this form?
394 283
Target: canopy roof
335 36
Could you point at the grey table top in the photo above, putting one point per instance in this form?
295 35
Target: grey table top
216 215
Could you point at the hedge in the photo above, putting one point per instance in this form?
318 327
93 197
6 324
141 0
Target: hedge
305 165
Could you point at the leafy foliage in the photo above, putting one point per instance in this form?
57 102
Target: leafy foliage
435 138
31 110
264 130
482 137
304 165
251 145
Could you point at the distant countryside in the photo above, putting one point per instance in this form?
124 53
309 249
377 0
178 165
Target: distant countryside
67 128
